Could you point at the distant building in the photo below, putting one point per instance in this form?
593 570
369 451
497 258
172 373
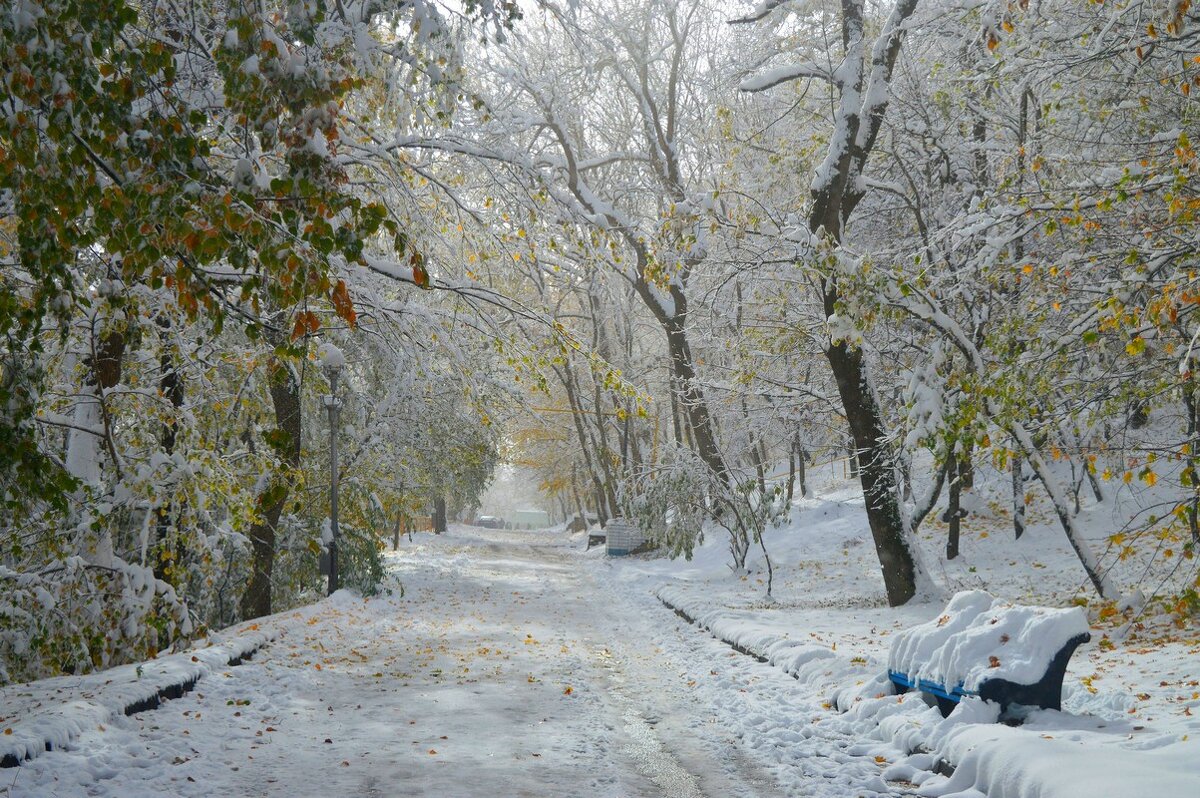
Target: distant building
529 519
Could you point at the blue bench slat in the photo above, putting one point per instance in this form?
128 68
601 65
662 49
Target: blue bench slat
926 686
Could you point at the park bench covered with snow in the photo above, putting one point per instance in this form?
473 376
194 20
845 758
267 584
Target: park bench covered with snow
622 537
980 646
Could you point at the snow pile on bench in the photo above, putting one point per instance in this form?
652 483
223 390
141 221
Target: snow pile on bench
979 637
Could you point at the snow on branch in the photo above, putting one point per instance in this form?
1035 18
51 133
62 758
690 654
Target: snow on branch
883 61
605 160
761 11
783 74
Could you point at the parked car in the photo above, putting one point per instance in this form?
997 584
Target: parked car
489 522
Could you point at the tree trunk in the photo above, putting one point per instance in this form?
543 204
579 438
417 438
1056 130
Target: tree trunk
578 499
1191 473
439 515
601 515
877 470
167 557
692 400
1087 558
953 514
791 480
585 441
602 347
801 468
93 430
285 398
1018 495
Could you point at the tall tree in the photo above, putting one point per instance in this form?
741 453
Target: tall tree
861 87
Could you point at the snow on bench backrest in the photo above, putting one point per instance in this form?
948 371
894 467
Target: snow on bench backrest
979 637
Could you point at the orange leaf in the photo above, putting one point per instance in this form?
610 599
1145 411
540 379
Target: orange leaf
342 303
306 322
420 276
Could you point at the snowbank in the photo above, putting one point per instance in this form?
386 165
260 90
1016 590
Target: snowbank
52 712
1055 755
1003 762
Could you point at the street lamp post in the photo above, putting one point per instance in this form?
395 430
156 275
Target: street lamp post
333 405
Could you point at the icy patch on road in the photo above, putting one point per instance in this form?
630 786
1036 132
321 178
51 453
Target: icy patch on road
654 760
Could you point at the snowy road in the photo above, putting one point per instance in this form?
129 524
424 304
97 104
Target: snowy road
510 667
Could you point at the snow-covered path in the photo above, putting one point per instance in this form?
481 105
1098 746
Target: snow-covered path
507 669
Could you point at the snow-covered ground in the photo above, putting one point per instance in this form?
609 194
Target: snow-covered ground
1130 724
517 664
507 668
